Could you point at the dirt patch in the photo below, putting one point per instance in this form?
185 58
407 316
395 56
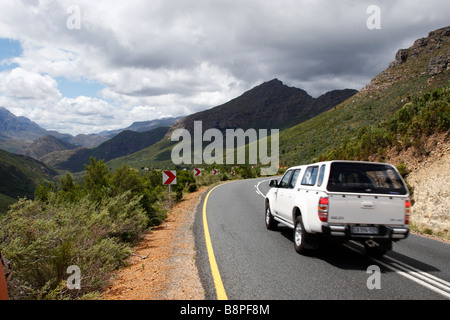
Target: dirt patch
163 264
430 181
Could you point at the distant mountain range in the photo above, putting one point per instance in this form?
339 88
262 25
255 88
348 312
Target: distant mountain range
124 143
142 126
17 133
269 105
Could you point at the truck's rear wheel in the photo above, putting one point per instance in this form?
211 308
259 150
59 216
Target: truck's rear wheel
300 236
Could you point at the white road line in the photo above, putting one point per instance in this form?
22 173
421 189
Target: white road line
422 273
425 279
257 188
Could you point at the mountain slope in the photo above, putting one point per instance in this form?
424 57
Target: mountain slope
125 143
18 127
19 175
271 105
418 69
45 145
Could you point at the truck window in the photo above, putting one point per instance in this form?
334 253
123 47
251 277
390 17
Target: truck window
284 183
365 178
294 178
321 174
310 176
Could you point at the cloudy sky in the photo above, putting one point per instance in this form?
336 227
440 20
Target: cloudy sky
83 66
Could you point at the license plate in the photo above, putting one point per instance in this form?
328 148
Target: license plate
365 230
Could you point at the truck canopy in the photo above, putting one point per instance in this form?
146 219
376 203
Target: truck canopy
363 177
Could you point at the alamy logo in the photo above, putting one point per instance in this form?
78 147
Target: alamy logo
74 280
373 22
214 152
374 280
73 22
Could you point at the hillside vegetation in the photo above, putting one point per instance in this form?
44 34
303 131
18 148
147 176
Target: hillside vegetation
21 175
409 127
414 71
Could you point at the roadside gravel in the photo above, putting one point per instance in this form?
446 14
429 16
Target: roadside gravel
163 264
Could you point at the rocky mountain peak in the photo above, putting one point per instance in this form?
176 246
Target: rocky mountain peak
270 105
427 57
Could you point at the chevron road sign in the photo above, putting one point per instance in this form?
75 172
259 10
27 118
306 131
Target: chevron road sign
197 172
169 177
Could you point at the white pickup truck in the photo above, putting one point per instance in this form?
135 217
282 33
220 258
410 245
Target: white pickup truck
344 200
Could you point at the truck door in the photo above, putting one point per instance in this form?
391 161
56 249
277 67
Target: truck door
281 195
287 196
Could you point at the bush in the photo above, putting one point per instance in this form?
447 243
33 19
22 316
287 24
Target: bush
185 183
42 239
92 226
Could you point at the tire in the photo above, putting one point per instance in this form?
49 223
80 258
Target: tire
301 237
271 223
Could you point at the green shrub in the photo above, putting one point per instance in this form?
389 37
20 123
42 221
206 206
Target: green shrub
410 126
43 238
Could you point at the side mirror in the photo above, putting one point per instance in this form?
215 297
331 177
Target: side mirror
273 183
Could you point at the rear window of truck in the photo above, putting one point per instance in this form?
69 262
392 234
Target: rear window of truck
365 178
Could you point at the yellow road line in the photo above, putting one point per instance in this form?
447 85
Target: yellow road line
220 290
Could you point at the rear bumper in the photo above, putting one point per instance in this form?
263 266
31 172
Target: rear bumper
384 233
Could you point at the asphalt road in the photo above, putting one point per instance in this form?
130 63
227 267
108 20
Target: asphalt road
257 264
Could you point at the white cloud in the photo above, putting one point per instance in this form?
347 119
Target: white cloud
22 84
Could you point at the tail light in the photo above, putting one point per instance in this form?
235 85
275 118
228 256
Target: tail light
323 209
407 211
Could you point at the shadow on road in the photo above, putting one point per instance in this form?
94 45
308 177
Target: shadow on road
341 256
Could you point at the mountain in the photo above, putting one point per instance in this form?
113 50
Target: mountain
86 140
415 70
142 126
18 133
45 145
124 143
271 105
18 128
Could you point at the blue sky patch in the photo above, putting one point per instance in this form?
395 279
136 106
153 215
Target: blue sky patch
73 89
9 49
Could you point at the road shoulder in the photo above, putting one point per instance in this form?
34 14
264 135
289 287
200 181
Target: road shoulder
163 264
